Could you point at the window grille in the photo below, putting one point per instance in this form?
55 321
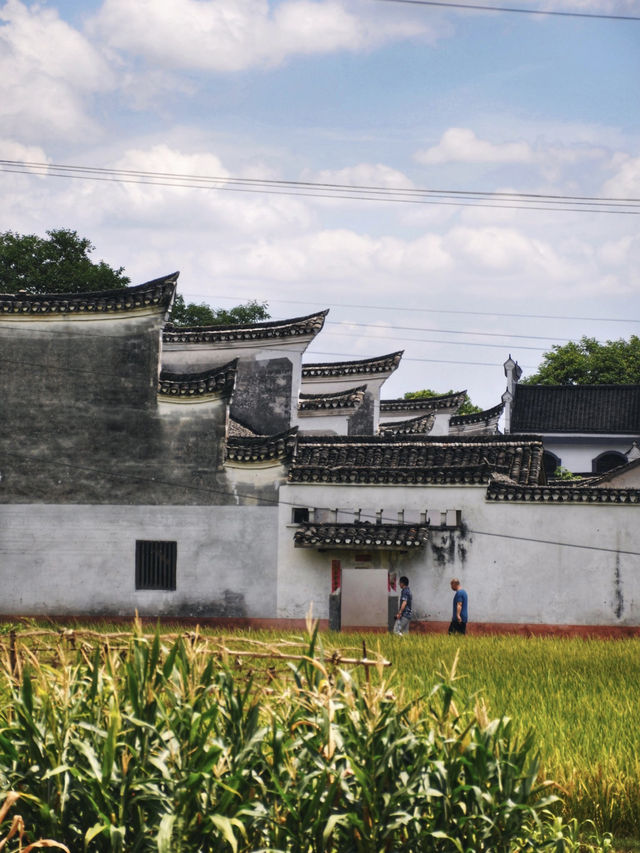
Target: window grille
156 564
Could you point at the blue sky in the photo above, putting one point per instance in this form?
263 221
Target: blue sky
350 92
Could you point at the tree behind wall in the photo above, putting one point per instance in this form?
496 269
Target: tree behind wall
589 362
59 263
467 408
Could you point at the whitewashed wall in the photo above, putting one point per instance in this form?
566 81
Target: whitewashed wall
81 560
506 555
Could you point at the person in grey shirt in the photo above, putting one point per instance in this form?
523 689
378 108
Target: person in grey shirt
405 612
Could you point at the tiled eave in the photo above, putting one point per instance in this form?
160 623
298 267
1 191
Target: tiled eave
372 536
261 448
468 475
416 460
369 366
414 426
273 329
344 400
195 386
153 294
561 494
478 417
444 401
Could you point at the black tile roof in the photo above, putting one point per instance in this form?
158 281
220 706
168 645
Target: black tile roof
158 292
442 401
359 535
218 380
350 399
296 327
425 460
261 448
414 426
559 494
380 364
611 409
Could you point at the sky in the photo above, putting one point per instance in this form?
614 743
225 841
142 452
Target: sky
348 93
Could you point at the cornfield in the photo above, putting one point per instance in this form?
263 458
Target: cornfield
134 742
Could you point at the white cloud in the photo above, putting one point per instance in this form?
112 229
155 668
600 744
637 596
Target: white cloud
47 70
461 145
232 35
626 182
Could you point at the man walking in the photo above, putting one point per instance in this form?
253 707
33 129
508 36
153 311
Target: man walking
405 612
459 621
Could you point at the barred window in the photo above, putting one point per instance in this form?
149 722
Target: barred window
156 564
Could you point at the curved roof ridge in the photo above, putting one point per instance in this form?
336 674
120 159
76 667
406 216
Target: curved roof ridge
412 426
441 401
351 398
157 292
377 364
261 448
477 417
309 324
212 381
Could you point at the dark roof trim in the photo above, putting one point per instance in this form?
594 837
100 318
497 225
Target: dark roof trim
271 329
417 460
443 401
498 491
261 448
381 364
157 293
218 380
414 426
477 417
374 536
350 399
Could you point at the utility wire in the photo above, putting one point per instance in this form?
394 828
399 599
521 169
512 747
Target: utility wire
456 198
234 495
416 309
450 5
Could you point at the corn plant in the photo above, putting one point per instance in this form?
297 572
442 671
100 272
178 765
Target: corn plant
162 746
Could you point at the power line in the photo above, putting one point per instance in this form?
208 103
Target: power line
309 189
548 12
416 309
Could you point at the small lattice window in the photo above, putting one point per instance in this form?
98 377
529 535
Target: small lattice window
156 564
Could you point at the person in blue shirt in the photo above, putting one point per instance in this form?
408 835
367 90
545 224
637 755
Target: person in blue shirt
460 614
404 614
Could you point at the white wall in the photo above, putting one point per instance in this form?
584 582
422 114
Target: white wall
81 559
525 579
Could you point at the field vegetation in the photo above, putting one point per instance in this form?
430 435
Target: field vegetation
124 742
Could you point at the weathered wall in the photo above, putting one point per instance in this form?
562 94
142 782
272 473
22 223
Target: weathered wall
267 381
541 576
81 560
81 421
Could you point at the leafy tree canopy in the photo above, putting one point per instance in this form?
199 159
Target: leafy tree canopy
192 314
589 362
467 408
59 263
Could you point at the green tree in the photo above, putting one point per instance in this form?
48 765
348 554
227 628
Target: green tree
59 263
589 362
467 408
191 314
